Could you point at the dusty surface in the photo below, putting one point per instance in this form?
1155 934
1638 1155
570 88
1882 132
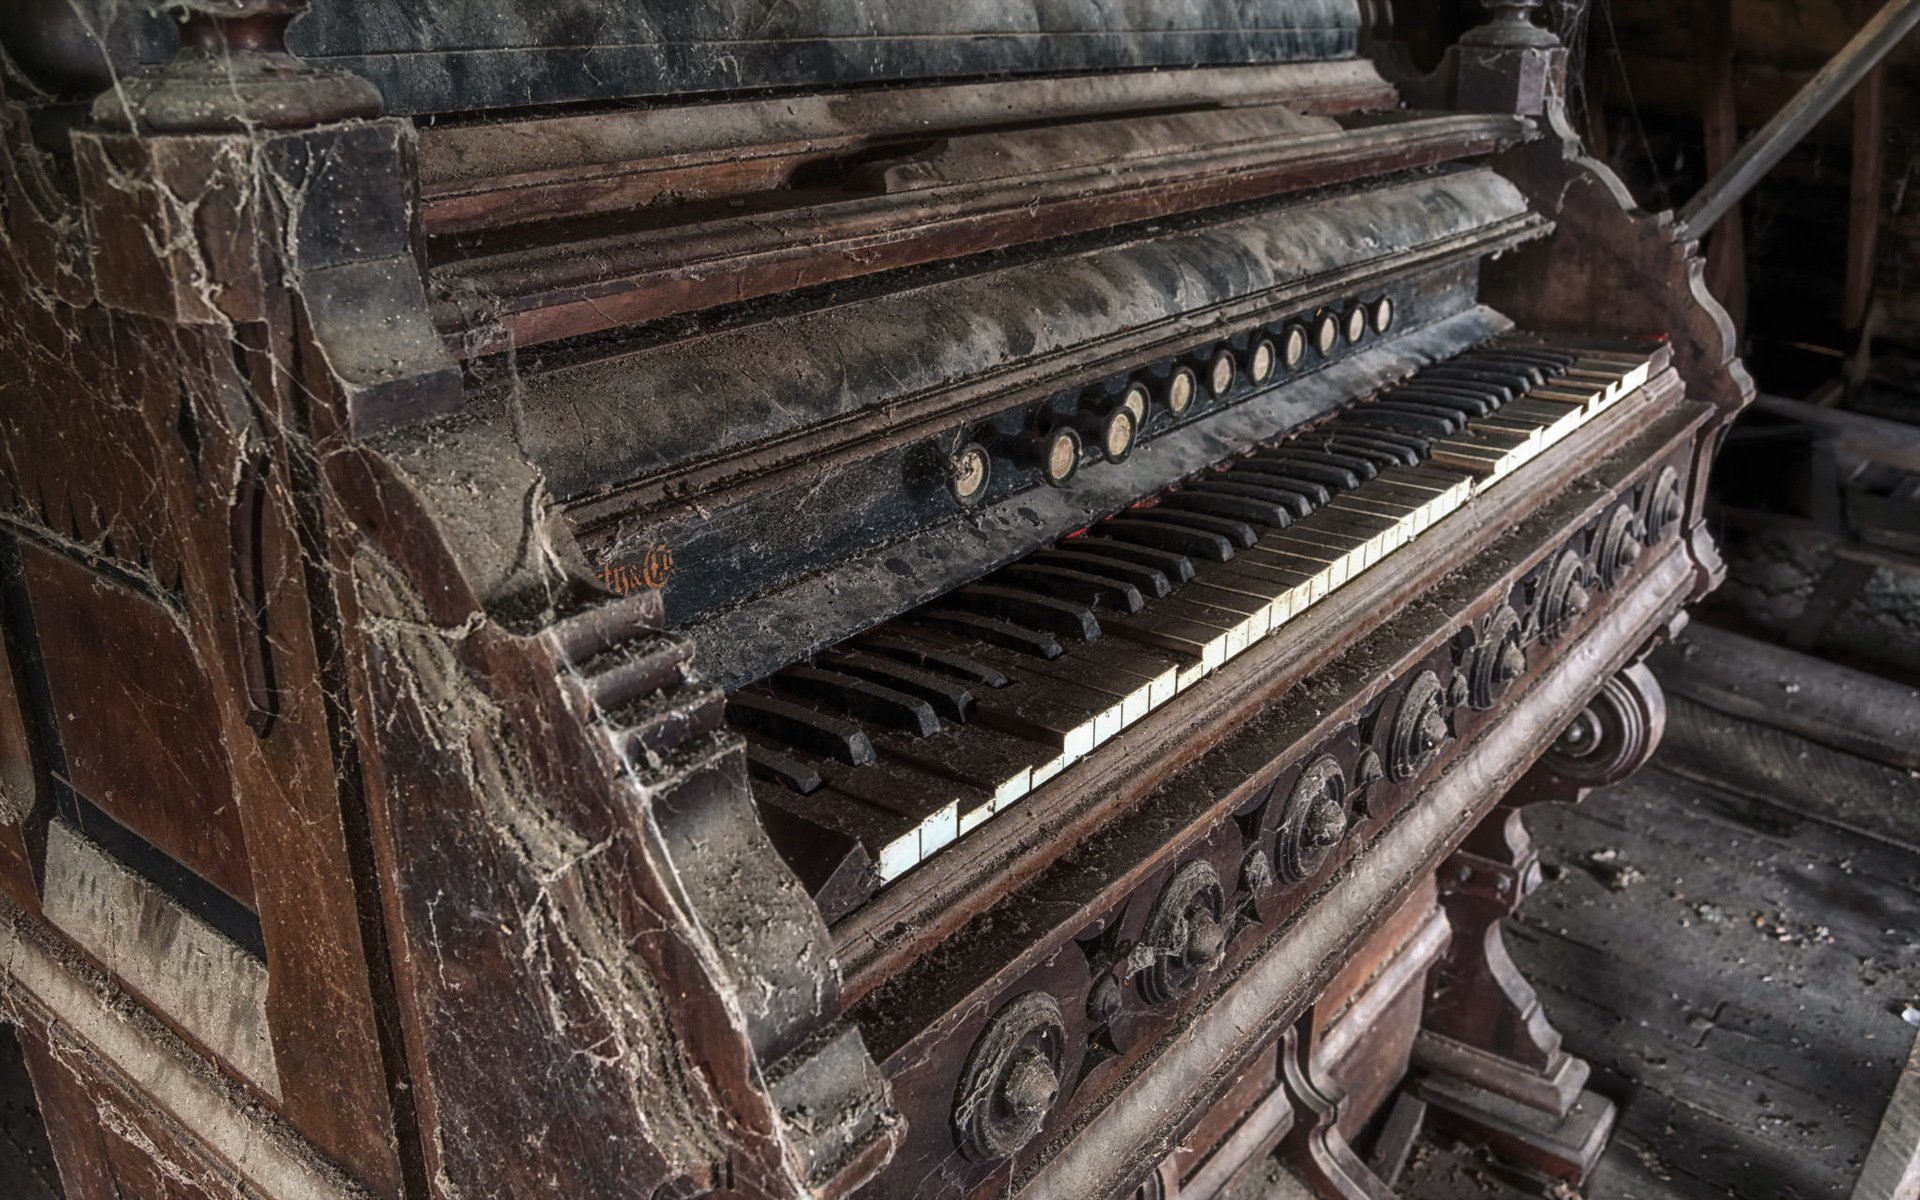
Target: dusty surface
1770 578
1741 993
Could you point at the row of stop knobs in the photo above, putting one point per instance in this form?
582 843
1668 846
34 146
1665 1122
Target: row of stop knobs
1110 421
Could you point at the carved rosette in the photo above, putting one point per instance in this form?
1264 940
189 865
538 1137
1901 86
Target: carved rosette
1185 936
1419 727
1012 1078
1316 817
1499 658
1566 598
1614 734
1667 507
1620 542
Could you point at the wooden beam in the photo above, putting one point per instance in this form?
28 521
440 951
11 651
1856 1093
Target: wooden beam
1891 443
1713 56
1764 150
1863 206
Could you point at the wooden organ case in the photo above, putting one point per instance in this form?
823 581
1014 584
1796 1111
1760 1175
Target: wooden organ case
666 600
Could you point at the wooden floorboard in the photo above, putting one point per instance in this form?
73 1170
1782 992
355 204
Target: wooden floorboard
1735 971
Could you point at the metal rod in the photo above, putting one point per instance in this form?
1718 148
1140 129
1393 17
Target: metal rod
1765 149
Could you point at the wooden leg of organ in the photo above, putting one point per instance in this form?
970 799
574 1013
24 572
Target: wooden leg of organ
1490 1065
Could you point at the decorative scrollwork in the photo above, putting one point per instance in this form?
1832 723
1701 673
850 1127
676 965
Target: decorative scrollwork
1419 726
1620 540
1012 1078
1315 819
1185 936
1667 507
1567 598
1614 734
1498 659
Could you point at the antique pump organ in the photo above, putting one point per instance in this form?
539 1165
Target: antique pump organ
778 600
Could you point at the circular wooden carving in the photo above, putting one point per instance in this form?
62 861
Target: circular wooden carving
1498 659
1419 726
1186 934
1012 1078
1620 540
1667 506
1314 820
1614 734
1567 598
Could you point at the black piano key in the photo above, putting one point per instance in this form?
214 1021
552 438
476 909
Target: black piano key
898 812
1380 459
1177 567
1049 702
1451 419
1237 508
1490 395
764 762
1411 424
1148 581
1506 384
1333 477
1258 474
1535 373
1383 435
1512 358
1071 584
992 630
1554 362
1179 539
1472 402
1064 618
1239 533
1399 452
859 698
910 651
949 698
1304 449
1293 503
803 728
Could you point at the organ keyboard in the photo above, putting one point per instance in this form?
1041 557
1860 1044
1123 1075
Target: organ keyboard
1227 559
814 600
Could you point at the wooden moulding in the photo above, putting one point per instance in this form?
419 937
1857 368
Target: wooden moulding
475 175
520 298
211 989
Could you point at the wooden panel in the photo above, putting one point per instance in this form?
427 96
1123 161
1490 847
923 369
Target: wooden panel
138 723
72 1129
